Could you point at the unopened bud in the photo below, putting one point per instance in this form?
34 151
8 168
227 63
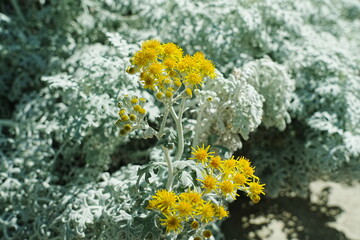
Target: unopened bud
207 233
131 70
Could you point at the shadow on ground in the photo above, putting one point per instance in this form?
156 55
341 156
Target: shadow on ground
296 217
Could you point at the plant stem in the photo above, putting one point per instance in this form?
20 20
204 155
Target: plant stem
170 168
163 123
180 148
197 126
170 179
179 129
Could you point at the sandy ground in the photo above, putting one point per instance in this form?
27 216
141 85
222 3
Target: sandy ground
331 213
348 199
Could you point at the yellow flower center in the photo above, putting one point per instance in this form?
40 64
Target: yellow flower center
215 162
209 182
226 187
201 155
256 188
207 212
248 171
185 209
193 79
172 223
239 178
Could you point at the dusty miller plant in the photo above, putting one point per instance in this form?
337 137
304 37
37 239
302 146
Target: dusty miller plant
196 188
294 61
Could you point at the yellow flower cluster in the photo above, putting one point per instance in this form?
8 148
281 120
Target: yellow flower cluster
226 177
163 69
186 208
131 113
222 177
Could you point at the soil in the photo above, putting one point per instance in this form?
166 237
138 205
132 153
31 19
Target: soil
332 212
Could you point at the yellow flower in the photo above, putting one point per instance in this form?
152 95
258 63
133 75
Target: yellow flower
163 200
229 166
206 212
152 204
144 57
186 64
254 191
230 163
172 223
239 179
169 63
185 209
256 188
148 81
171 50
221 212
209 182
193 79
244 162
228 188
167 82
173 74
153 44
201 154
192 197
245 167
249 171
155 69
215 162
205 67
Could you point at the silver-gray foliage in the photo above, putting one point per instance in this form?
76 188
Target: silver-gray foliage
293 103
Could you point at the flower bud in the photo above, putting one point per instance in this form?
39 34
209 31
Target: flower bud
131 70
207 233
127 127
